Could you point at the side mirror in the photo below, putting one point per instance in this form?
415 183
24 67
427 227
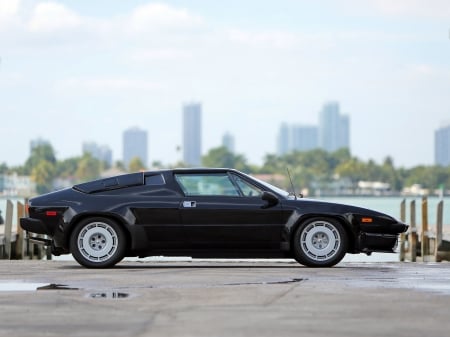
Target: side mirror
271 199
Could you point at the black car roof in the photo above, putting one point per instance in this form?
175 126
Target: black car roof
136 179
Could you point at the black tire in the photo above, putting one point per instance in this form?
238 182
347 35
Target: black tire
320 242
98 243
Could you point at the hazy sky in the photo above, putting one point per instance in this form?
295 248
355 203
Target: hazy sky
74 71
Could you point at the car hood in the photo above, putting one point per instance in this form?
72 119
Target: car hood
305 205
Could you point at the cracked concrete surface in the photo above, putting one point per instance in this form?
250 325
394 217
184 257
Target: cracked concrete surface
226 299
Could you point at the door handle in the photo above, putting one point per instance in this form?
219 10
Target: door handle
189 204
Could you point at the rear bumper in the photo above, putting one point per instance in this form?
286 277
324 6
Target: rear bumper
33 226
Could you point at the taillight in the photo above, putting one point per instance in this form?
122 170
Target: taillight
51 213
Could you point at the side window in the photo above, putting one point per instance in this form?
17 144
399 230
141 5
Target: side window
154 180
248 190
206 184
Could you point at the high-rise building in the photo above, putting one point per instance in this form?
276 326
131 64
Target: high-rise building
192 134
100 152
283 140
442 146
134 145
228 141
334 128
38 142
297 138
304 137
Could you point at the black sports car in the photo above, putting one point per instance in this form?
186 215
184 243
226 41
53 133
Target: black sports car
208 213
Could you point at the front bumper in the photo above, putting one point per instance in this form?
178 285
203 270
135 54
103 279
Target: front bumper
371 242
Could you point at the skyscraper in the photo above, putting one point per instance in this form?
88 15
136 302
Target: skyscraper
192 133
134 145
297 138
442 146
100 152
283 140
228 141
304 137
334 128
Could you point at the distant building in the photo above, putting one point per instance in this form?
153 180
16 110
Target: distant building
297 138
38 142
228 141
442 146
192 134
283 140
134 145
334 128
17 185
304 137
100 152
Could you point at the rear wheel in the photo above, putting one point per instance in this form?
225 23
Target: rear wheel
98 243
320 242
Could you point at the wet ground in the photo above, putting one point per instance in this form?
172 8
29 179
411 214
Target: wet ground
60 298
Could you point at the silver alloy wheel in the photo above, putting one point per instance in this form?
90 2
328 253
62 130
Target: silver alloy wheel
320 240
97 241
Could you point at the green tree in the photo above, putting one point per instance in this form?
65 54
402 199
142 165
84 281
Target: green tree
222 157
89 168
136 165
3 168
38 154
43 174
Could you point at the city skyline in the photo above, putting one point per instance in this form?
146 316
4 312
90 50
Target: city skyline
330 134
192 134
135 144
75 71
442 146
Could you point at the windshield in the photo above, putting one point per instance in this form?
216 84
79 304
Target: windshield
272 187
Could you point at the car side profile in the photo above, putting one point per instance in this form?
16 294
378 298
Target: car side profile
202 213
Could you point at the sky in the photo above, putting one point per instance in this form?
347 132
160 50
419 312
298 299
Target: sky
75 71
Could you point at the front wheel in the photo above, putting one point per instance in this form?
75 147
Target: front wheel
320 242
98 243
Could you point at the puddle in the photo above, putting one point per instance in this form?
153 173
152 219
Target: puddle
293 280
26 286
111 295
53 286
20 286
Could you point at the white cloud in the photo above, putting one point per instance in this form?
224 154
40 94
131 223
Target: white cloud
161 16
106 85
49 17
161 54
8 12
268 39
435 9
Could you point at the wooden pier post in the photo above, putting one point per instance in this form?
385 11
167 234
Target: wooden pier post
425 235
8 229
403 236
20 247
439 223
413 233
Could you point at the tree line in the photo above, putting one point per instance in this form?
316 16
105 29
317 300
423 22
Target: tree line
310 169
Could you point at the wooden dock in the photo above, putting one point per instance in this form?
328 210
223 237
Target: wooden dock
424 244
14 242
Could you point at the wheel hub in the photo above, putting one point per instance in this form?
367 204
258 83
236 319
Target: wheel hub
97 241
320 240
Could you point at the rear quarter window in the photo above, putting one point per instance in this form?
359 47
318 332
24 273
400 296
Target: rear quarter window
154 180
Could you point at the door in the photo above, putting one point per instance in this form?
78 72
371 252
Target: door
223 211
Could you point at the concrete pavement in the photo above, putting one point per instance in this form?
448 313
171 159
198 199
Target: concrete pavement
217 298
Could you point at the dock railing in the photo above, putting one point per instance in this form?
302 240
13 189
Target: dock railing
14 244
428 245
